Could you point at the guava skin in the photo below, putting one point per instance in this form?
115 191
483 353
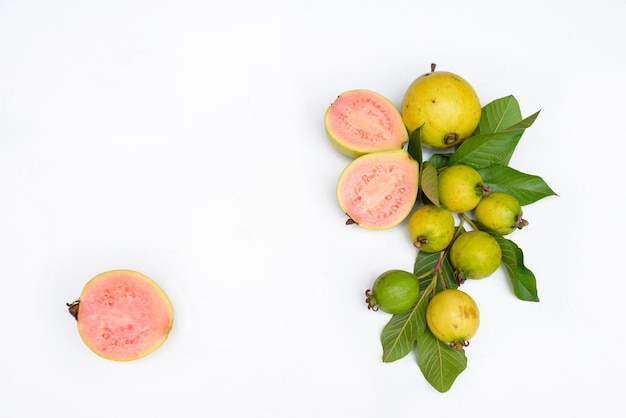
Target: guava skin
431 228
378 190
460 188
501 212
362 121
453 317
394 292
445 105
475 255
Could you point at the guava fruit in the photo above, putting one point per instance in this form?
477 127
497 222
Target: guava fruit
378 190
394 292
431 228
122 315
460 188
362 121
453 317
475 255
501 212
445 105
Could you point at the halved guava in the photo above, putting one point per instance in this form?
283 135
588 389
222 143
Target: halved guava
378 190
123 315
362 121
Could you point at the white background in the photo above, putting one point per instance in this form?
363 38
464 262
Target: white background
185 139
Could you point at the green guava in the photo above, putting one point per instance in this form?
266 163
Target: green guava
122 315
446 107
453 317
501 212
394 292
460 188
362 121
431 228
378 190
475 255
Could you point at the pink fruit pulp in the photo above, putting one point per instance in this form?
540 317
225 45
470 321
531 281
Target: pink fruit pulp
378 190
362 121
123 315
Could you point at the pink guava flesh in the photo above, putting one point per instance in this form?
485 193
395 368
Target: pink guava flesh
362 121
378 190
123 315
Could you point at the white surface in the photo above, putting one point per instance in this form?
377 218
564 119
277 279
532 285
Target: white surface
185 140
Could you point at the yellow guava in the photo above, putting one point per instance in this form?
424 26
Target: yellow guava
445 105
453 317
431 228
475 255
501 212
460 188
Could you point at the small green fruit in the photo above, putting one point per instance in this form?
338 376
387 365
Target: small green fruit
501 212
460 188
446 107
475 255
453 317
431 228
394 292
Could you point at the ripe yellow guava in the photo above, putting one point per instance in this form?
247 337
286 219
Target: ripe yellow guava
460 188
453 317
431 228
501 212
445 105
475 255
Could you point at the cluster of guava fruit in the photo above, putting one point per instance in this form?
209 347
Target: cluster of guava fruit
458 206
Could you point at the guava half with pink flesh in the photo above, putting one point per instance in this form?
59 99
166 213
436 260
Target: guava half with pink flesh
362 121
378 190
123 315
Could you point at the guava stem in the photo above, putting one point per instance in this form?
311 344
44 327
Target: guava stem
432 67
521 222
438 267
470 221
484 188
73 308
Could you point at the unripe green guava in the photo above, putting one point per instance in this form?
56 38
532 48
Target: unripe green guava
445 105
475 255
460 188
394 292
501 212
431 228
453 317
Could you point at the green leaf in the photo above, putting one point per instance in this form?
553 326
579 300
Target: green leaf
440 364
440 160
526 123
523 280
424 265
414 147
429 183
399 335
483 150
499 115
526 188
